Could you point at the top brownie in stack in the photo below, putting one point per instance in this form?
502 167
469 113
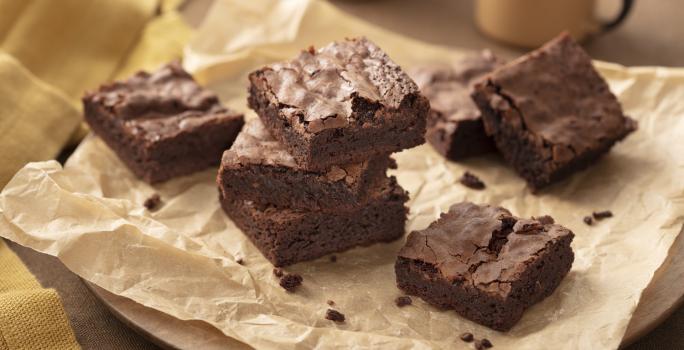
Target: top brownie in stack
345 103
260 169
454 126
550 112
162 125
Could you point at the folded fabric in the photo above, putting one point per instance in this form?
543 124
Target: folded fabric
35 118
73 45
31 317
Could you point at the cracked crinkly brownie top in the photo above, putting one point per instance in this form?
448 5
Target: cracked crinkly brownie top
321 86
490 250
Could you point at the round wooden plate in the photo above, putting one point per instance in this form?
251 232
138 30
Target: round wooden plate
663 295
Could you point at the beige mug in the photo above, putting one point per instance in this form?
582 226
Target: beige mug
530 23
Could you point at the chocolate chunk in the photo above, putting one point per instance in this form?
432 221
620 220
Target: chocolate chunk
599 215
240 261
467 337
472 181
291 281
278 272
403 301
334 315
331 303
152 202
588 220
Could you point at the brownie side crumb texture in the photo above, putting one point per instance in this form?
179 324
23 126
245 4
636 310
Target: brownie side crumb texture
454 126
469 180
485 263
287 236
550 112
290 281
162 124
259 168
334 315
344 103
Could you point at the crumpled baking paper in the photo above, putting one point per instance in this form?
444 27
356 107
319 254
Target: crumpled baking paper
181 258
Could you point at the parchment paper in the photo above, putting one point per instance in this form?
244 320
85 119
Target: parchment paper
181 259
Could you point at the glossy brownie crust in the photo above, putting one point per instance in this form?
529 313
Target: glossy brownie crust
484 263
550 112
162 125
454 126
260 169
286 236
344 103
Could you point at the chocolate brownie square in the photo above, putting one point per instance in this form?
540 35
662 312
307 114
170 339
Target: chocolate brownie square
285 236
485 263
260 169
550 112
342 104
163 124
454 125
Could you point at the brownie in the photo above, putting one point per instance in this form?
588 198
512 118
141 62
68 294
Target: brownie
162 124
286 236
454 124
485 263
260 169
550 112
345 103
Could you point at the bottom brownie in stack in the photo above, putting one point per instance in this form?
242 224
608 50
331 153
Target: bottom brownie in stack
293 215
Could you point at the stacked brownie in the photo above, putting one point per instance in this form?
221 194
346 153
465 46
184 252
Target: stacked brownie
308 177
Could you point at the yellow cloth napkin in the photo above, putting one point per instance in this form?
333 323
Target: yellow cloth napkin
50 53
35 118
73 45
31 317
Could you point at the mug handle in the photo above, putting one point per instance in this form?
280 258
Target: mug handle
610 25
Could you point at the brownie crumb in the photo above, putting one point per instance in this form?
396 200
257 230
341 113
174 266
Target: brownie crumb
331 303
545 220
467 337
334 315
599 215
471 181
153 202
333 258
403 301
291 281
240 261
278 272
483 344
486 343
588 220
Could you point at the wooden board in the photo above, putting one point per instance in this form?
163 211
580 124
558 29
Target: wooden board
663 295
